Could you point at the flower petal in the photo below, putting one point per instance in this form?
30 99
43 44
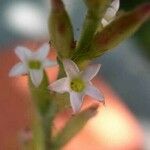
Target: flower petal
71 68
76 100
115 4
18 69
36 77
23 53
90 72
94 92
42 51
104 22
111 12
60 86
48 63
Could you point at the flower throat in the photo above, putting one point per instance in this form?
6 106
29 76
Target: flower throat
77 85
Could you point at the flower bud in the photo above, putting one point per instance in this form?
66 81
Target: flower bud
60 29
119 29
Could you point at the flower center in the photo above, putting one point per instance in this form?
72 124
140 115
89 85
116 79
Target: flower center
77 85
34 64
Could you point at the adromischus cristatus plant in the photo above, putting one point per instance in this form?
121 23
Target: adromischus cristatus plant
102 30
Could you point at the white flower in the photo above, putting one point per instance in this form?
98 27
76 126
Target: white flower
78 84
33 63
110 12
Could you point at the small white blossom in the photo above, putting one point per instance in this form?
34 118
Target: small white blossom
33 63
110 12
78 84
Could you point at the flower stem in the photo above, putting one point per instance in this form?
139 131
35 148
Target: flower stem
38 142
41 95
42 118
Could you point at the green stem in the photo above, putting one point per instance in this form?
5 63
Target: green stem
42 119
38 142
95 12
48 125
89 29
41 95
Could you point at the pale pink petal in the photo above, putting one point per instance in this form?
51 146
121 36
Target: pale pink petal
94 92
104 22
18 69
115 4
111 12
48 63
23 53
71 68
76 100
42 52
36 76
60 86
90 72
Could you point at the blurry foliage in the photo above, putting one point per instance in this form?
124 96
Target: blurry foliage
143 35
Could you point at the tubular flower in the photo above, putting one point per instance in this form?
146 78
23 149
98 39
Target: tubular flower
110 12
33 63
78 84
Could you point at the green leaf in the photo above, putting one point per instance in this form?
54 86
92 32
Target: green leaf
118 30
60 29
96 10
74 125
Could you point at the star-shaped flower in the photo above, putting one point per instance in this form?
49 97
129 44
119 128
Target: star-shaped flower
110 12
33 63
78 84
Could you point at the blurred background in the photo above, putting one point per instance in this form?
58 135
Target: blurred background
126 68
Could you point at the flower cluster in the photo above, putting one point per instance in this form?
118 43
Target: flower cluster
101 31
77 83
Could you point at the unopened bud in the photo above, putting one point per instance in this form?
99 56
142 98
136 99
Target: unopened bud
119 29
60 28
